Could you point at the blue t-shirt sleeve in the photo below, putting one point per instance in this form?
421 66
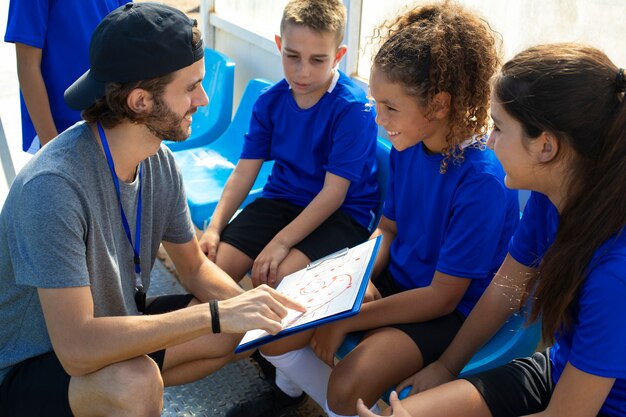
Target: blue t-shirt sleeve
258 141
599 338
477 219
523 246
354 136
53 254
27 22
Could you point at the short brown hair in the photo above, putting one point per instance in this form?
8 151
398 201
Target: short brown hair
111 110
320 15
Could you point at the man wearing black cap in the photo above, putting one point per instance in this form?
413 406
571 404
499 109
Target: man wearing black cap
81 227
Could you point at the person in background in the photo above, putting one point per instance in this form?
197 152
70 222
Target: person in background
52 48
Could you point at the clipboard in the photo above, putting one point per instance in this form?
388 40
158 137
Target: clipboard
332 288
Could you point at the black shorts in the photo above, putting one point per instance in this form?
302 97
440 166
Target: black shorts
431 337
39 386
522 386
262 219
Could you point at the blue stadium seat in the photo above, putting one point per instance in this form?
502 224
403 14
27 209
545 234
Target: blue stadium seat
205 169
209 122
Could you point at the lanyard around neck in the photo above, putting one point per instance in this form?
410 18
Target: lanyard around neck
136 246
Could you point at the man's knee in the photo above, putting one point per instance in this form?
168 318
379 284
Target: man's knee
133 387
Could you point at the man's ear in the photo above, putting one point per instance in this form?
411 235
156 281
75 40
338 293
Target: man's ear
548 147
440 105
139 101
279 42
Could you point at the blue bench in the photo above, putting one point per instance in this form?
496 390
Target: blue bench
210 121
205 169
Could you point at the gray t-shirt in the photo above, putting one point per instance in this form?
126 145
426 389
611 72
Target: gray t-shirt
61 227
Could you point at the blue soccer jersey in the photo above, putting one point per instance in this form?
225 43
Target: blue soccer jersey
336 135
596 344
458 223
62 30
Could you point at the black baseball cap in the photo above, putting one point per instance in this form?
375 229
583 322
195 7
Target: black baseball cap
135 42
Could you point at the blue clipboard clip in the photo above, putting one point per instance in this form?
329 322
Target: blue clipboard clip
340 253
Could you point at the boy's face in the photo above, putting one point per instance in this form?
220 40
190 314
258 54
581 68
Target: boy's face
308 59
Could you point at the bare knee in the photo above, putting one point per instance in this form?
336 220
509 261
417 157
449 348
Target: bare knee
343 389
133 387
233 261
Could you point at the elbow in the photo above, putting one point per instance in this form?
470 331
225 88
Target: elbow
446 305
75 361
448 308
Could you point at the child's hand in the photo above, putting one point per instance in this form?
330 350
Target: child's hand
208 243
371 293
266 264
326 341
431 376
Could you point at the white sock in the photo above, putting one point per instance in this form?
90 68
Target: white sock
306 370
286 385
375 409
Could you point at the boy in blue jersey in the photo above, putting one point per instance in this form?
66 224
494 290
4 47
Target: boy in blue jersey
318 128
52 47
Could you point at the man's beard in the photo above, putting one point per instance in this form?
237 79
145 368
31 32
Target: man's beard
165 124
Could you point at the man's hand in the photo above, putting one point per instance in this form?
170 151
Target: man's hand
396 407
326 340
208 243
260 308
266 264
431 376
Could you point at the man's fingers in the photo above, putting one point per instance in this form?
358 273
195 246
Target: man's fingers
284 300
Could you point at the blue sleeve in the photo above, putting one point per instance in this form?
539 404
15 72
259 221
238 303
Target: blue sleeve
599 339
27 22
472 236
524 247
258 141
389 208
53 252
354 143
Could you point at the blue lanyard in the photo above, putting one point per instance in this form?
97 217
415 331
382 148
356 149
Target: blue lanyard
136 247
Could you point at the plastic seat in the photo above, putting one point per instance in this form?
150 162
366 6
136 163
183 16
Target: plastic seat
210 121
205 169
